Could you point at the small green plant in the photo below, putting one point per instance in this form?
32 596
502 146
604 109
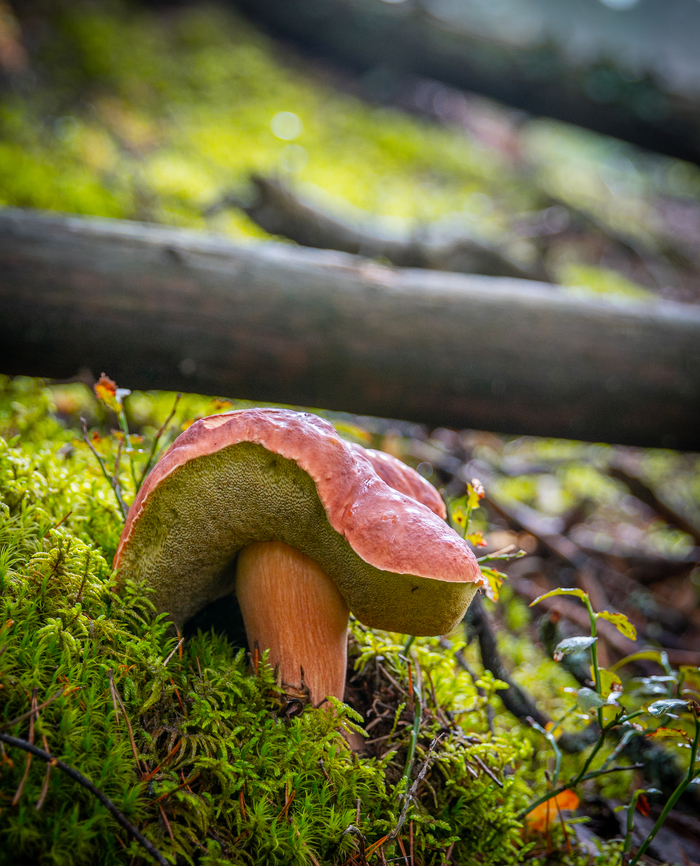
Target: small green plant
194 745
189 742
602 700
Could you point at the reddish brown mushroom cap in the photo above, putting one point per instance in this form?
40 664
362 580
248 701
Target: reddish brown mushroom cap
271 474
404 479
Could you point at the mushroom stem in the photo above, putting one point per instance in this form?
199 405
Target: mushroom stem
293 608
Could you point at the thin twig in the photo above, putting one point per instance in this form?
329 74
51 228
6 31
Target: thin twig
103 466
154 446
117 697
489 772
86 783
18 792
175 649
64 690
45 786
411 793
592 775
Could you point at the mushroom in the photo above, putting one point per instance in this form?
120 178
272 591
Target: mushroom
315 530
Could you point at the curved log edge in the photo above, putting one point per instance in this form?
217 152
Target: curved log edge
166 308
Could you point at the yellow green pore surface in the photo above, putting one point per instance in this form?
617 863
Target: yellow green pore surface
193 524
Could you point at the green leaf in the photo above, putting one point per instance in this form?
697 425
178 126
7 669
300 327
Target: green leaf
573 645
621 623
156 691
609 682
666 708
658 656
691 679
579 593
589 700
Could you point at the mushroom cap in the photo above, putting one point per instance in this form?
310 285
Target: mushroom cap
276 475
404 479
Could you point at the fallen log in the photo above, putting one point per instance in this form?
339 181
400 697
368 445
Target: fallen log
279 211
165 308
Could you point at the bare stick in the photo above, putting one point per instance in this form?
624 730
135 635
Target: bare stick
86 783
411 793
60 693
154 446
112 483
18 792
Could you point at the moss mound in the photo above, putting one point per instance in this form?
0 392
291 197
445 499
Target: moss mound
193 745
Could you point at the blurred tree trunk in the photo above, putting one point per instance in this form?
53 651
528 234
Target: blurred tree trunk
165 308
388 42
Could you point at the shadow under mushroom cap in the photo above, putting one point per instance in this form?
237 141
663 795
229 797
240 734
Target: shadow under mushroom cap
277 475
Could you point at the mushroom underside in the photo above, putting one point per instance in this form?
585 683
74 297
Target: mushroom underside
199 517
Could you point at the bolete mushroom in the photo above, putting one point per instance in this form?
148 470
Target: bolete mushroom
316 531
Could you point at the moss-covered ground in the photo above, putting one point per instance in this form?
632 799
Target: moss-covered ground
193 745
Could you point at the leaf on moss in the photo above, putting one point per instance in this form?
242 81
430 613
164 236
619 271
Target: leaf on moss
106 391
544 815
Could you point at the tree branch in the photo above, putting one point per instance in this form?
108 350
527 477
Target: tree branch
86 783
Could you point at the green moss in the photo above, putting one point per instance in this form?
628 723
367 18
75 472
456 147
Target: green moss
221 768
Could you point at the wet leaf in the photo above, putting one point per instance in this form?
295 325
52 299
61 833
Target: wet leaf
691 679
661 708
573 645
610 683
588 700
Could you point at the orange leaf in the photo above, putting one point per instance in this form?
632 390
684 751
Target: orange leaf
643 805
547 813
106 391
477 539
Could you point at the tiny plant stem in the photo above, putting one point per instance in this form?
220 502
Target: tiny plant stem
573 783
156 442
103 467
673 799
594 658
630 822
124 424
86 783
409 643
415 730
501 557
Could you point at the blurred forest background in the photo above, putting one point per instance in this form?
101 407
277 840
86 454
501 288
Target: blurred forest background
164 113
193 115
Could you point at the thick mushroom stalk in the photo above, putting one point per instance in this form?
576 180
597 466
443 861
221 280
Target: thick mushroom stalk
293 608
318 527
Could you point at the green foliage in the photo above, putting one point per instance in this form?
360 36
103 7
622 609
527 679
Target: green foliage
201 753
